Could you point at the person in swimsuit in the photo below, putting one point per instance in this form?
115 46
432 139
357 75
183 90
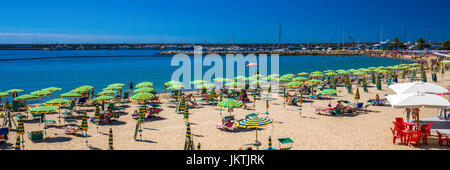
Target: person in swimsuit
408 113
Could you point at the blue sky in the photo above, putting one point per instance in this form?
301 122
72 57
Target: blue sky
216 21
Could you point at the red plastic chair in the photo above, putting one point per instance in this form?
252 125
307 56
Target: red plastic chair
429 128
397 134
424 134
442 138
399 120
414 137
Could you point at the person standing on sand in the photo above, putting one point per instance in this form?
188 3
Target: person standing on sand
408 113
131 85
415 113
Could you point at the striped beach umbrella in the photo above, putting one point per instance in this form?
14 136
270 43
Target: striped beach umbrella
15 91
186 114
25 97
199 82
254 122
17 146
118 84
230 103
270 142
364 84
97 114
110 139
112 88
142 113
424 76
198 146
20 126
188 145
182 106
357 97
144 90
378 82
84 123
143 96
267 105
172 82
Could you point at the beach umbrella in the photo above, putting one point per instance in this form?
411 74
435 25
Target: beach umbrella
284 79
70 95
86 87
118 85
52 89
79 90
57 102
172 82
221 80
108 92
317 75
378 82
144 84
186 113
3 94
175 87
103 98
143 96
20 126
230 103
255 122
17 146
331 74
199 82
144 90
182 105
267 106
329 91
15 91
233 84
84 123
291 76
372 76
26 97
240 78
270 142
300 79
293 84
271 78
303 74
42 109
188 145
365 84
198 146
357 97
205 86
314 81
110 139
111 88
97 115
424 76
417 86
416 100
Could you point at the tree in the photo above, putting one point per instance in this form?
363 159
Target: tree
445 45
421 44
397 44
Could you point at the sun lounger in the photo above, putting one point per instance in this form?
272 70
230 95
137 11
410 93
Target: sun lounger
323 110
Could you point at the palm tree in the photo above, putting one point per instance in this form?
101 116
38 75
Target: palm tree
397 44
421 44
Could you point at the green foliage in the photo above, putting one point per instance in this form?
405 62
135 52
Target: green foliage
445 45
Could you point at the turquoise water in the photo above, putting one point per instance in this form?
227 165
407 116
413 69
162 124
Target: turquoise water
34 69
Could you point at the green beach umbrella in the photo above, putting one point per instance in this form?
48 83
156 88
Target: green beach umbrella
365 84
118 85
230 103
291 76
221 80
199 82
424 76
110 139
4 94
97 114
329 91
303 74
143 96
240 78
300 79
144 84
175 87
108 92
142 113
144 90
86 87
112 88
52 89
79 90
103 98
233 84
314 81
70 95
25 97
205 86
173 82
42 109
186 113
293 84
15 91
284 79
378 81
331 74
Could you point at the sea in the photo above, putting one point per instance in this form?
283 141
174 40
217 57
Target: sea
32 70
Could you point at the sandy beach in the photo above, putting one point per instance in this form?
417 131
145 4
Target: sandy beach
357 131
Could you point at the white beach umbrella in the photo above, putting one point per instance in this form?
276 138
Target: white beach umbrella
414 87
416 100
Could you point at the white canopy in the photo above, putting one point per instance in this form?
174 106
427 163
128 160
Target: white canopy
414 87
415 100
